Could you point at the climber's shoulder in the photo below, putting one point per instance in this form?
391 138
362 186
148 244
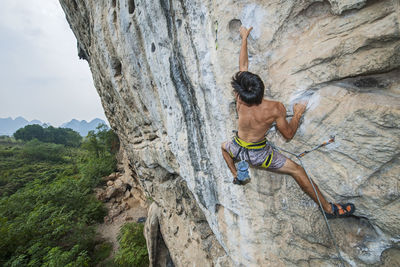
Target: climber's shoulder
273 107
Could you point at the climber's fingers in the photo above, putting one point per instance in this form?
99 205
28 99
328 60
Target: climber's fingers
300 107
244 32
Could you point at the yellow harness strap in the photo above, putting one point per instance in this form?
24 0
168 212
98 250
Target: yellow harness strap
248 145
268 160
257 145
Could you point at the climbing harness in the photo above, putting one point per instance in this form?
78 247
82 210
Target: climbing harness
299 156
243 156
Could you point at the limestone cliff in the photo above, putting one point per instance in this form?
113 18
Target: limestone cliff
162 69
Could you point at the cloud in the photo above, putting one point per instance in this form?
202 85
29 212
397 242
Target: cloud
42 77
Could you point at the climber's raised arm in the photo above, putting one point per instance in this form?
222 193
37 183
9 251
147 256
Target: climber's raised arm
288 129
243 57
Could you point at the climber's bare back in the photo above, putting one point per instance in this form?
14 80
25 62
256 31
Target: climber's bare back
255 120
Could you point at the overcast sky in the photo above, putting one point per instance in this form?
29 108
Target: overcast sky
40 73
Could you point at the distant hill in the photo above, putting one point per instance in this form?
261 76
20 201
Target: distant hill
83 127
8 125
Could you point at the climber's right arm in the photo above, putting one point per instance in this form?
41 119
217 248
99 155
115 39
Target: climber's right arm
243 57
288 129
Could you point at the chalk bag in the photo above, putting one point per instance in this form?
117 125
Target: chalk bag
243 171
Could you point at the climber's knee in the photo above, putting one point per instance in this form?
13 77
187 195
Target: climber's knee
297 169
290 167
226 150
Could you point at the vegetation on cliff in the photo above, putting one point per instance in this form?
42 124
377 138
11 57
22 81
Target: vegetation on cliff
47 209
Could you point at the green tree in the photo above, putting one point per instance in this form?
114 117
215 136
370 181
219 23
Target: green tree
92 144
101 141
74 139
30 132
100 146
64 136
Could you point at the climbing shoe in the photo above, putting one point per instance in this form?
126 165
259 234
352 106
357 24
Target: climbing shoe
340 210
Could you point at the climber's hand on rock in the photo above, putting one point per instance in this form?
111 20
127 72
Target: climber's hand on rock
244 32
299 108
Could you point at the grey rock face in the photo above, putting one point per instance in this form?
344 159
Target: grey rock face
162 69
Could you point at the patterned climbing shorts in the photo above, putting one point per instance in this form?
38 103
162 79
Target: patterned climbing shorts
262 155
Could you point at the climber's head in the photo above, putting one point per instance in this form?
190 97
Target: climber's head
249 86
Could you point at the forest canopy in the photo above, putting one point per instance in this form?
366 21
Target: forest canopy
48 212
64 136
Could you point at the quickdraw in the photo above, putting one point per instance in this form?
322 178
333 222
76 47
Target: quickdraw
331 140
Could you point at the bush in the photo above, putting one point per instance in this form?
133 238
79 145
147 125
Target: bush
72 258
133 250
36 150
94 168
102 252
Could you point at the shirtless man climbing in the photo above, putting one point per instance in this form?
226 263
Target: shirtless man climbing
256 116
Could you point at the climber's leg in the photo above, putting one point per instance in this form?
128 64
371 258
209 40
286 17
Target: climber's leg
298 173
228 159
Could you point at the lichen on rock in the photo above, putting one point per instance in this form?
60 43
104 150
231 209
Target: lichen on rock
162 70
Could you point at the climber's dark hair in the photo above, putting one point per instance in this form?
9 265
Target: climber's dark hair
249 86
